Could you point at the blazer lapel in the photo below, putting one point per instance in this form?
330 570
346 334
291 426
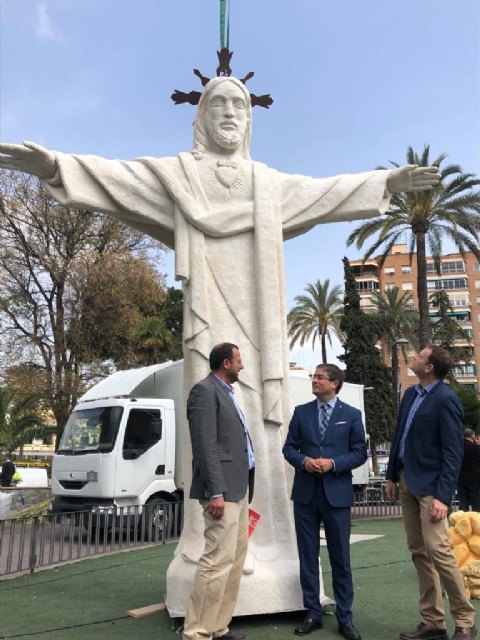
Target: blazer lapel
313 420
225 396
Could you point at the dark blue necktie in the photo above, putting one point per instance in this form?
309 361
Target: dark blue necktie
324 421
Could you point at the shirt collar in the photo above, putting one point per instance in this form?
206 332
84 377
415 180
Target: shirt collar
225 385
331 403
419 389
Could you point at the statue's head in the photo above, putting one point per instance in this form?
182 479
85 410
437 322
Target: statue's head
224 117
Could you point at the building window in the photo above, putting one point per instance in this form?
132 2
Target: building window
476 266
407 286
389 271
366 302
464 370
367 285
389 286
406 268
477 284
449 266
448 283
459 299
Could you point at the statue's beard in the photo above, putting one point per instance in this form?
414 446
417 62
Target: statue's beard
230 139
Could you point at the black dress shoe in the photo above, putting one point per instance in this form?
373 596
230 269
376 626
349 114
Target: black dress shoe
231 636
349 631
424 632
307 626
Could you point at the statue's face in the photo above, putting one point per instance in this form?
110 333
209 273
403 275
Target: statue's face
226 116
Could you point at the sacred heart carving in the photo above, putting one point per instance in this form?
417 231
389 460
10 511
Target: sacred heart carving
226 175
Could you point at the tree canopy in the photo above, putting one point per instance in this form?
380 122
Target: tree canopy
21 419
74 285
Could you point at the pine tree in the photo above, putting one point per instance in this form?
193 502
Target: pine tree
364 366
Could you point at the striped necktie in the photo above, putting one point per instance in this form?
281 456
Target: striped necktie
324 420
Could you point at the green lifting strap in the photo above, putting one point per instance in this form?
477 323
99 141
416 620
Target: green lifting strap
224 24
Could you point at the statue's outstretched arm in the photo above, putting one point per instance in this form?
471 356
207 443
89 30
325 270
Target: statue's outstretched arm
413 178
30 158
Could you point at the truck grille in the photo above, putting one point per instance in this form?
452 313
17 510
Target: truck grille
73 484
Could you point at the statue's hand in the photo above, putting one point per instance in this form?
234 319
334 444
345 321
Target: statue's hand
413 178
30 158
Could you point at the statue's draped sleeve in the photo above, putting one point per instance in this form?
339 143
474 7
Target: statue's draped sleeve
306 201
128 190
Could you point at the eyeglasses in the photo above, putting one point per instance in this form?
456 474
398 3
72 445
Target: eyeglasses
316 376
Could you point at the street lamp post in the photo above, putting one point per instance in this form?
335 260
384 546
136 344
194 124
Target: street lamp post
394 357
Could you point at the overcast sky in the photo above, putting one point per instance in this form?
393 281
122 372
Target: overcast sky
354 83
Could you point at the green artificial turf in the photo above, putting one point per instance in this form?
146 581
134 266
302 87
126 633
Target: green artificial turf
90 599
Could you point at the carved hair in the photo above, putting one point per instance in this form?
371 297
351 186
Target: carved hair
200 134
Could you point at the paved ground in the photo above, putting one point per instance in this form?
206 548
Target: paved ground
90 599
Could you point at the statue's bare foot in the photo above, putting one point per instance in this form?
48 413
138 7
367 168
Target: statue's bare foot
249 566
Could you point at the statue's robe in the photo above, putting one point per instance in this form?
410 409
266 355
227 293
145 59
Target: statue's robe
230 262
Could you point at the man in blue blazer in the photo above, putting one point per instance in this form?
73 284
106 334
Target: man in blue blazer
325 441
425 459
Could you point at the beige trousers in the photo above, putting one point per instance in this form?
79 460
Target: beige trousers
434 562
217 580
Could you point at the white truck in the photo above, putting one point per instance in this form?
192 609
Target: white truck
121 447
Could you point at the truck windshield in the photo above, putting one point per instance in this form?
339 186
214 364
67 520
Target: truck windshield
91 431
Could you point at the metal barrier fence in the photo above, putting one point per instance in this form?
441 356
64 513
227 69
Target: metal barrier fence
371 502
29 543
32 542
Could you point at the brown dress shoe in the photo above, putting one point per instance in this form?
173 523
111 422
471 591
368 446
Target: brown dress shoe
424 632
464 633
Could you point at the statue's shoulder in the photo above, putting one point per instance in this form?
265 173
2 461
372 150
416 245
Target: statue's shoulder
261 167
154 161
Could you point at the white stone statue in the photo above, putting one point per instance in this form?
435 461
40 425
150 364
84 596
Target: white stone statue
227 217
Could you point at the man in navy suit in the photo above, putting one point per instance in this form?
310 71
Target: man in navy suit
325 441
425 459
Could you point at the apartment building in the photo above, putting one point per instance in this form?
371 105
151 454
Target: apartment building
460 278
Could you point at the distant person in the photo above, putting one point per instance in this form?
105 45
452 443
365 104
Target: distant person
425 460
8 471
325 441
468 486
223 472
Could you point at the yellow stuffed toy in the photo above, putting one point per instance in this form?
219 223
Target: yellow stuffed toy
464 538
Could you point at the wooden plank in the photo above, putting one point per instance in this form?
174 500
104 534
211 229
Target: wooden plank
147 611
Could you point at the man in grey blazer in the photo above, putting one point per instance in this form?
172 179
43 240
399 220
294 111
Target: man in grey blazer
223 471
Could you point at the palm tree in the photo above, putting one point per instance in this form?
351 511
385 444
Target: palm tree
20 420
451 210
398 320
153 339
316 314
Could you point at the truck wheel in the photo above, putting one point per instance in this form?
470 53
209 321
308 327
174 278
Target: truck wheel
155 519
